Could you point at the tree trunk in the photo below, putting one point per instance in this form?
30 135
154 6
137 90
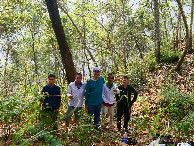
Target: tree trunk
157 30
123 35
191 24
34 55
177 32
5 70
61 39
187 37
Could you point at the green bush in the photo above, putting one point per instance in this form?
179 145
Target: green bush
137 72
178 108
177 104
170 56
152 65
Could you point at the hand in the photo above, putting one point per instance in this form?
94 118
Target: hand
57 111
71 96
115 90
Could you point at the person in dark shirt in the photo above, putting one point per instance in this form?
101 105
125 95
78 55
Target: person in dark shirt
52 99
124 102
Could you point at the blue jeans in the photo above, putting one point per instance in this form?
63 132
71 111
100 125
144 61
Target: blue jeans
95 110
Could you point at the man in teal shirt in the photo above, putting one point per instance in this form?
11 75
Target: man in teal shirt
93 95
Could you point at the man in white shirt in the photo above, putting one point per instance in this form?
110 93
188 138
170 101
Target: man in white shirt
109 88
75 92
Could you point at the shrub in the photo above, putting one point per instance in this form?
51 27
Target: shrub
179 103
137 72
170 56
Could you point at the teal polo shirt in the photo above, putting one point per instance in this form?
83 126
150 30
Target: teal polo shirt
93 94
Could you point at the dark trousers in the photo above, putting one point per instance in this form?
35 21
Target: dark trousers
123 108
95 110
49 118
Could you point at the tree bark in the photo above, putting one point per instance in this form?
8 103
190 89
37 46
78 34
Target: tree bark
157 30
6 87
187 37
191 24
123 35
34 54
177 31
61 39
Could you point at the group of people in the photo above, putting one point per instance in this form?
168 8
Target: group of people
99 96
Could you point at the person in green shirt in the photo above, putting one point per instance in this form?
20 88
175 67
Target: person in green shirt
93 95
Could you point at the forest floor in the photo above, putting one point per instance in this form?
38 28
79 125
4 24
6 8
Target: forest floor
148 115
144 123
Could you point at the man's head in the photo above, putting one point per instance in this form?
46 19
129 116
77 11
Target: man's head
78 77
125 80
96 71
51 80
110 78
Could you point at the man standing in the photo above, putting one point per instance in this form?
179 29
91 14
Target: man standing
93 95
52 100
124 102
109 88
75 92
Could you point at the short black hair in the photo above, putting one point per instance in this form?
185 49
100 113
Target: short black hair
51 75
78 74
110 75
126 77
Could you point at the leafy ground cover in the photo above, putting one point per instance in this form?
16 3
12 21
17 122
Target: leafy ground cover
165 106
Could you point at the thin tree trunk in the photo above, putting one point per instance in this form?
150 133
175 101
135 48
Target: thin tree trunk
187 37
140 51
191 24
177 31
166 31
79 32
61 39
157 30
5 70
34 54
83 38
123 35
25 81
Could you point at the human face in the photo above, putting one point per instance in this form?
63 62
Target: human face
96 73
125 82
51 81
110 80
78 79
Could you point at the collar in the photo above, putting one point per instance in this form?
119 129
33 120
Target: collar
79 86
111 86
126 87
52 86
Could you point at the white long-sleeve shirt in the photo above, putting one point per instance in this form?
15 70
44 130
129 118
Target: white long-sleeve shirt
108 93
78 94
